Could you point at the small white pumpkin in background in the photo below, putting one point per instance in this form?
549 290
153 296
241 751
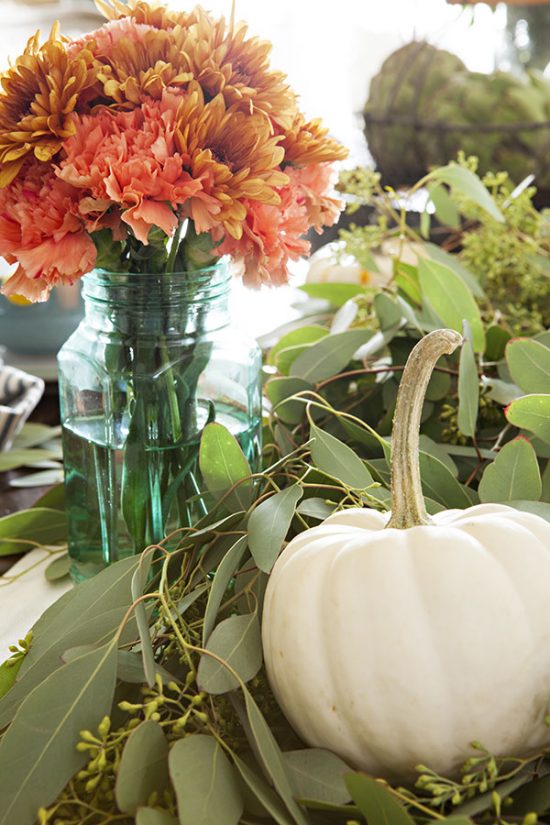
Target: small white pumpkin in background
400 642
332 264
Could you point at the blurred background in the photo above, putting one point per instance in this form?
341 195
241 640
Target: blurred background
329 50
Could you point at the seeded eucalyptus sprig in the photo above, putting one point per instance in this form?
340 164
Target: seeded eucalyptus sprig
509 255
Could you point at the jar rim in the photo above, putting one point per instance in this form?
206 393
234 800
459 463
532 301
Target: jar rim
189 275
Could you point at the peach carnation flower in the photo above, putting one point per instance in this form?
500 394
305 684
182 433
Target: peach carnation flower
40 229
273 234
312 184
130 160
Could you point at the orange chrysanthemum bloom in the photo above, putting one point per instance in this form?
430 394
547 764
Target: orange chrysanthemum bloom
39 93
150 13
234 155
226 62
308 142
135 59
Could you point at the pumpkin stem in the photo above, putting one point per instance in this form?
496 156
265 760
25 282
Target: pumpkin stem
408 509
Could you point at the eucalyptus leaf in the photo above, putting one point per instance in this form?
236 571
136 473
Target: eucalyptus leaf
263 793
283 439
28 528
58 568
344 317
45 478
425 224
272 758
544 337
545 495
35 669
484 802
329 355
137 587
190 598
446 210
151 816
496 339
500 391
542 448
467 183
317 774
280 392
88 614
451 299
406 280
223 465
335 293
439 386
53 499
512 475
143 768
14 459
237 641
48 464
317 508
468 388
250 587
286 357
531 412
533 797
130 668
377 342
205 782
225 571
33 434
8 674
529 364
107 591
38 750
269 523
335 458
439 483
387 310
375 801
538 508
427 445
302 336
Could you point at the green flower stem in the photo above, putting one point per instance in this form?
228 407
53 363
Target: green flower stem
408 508
174 249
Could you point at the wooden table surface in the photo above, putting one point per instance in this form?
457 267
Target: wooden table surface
13 499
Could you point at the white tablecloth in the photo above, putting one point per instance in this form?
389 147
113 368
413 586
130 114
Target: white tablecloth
25 593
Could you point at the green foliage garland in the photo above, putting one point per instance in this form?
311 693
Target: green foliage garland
142 697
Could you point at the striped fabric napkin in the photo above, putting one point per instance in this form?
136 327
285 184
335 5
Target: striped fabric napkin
19 395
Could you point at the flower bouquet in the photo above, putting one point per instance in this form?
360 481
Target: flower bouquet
158 707
149 152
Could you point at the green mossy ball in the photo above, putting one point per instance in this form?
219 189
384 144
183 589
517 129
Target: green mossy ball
425 88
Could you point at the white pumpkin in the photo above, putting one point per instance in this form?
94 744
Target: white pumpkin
399 641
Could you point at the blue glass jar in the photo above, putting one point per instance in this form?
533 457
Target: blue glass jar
154 360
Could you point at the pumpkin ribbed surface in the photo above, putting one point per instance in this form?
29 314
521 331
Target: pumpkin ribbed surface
393 647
